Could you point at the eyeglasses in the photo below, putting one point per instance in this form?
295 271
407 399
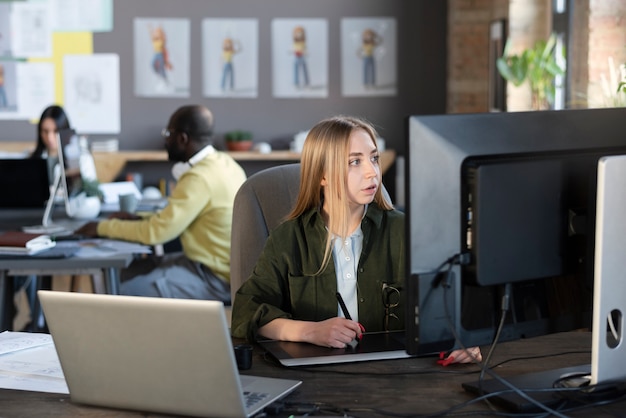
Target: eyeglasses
166 133
391 299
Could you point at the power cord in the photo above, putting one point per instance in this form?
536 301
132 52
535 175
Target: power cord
505 306
461 259
443 280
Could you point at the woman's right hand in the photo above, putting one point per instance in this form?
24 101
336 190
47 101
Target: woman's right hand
334 332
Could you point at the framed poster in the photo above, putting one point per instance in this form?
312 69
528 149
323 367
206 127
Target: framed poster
300 58
230 57
368 56
162 57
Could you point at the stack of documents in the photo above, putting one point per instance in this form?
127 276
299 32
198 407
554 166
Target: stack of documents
112 192
29 361
108 145
24 243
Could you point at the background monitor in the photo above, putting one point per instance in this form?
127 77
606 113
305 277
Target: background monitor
502 202
24 183
69 153
63 182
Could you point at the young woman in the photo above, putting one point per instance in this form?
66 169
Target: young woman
51 121
342 237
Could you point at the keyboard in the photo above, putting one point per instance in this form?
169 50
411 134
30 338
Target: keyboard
252 398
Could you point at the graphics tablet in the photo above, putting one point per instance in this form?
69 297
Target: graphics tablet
373 346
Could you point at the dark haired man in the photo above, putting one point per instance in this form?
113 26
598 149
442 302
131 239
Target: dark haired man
199 212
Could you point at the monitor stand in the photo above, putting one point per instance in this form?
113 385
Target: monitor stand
47 227
608 351
528 383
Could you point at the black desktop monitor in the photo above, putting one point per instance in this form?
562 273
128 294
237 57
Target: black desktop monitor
24 183
501 207
508 198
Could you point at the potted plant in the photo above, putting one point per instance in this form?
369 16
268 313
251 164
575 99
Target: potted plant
238 140
537 66
88 202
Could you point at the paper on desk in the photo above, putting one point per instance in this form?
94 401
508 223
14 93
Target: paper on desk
102 247
112 191
29 361
15 341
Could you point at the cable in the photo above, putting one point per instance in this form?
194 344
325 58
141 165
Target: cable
504 307
459 258
446 285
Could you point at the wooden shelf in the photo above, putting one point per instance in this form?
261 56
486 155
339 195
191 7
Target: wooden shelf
110 164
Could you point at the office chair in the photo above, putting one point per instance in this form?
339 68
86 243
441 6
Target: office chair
261 204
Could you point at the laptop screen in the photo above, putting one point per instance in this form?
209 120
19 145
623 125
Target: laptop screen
24 183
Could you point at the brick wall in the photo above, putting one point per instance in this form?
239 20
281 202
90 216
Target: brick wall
607 38
468 53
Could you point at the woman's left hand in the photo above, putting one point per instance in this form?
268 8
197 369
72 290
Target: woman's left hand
469 355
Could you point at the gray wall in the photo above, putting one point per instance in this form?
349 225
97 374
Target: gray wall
421 70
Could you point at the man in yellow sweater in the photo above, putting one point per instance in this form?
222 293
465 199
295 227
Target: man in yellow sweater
199 212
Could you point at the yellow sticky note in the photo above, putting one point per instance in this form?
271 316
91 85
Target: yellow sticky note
66 43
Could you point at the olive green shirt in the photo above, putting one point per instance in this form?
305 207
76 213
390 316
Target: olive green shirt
284 283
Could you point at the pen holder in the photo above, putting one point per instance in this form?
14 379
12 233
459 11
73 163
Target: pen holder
243 356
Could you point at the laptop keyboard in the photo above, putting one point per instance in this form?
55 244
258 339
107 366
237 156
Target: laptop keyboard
252 398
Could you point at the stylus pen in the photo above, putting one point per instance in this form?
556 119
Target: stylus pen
343 306
344 309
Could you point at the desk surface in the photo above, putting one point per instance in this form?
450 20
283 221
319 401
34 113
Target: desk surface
10 218
109 266
25 266
405 386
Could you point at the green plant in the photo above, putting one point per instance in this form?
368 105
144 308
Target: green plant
235 136
537 66
91 188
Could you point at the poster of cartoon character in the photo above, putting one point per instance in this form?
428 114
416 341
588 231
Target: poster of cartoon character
8 93
162 57
368 56
230 57
300 58
5 32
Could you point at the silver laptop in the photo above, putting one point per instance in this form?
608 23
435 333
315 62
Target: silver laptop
170 356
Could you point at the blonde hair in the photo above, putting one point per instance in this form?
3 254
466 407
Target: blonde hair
325 154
